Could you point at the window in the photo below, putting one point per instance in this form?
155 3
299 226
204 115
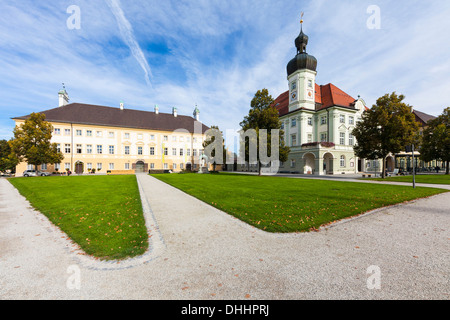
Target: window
127 166
89 149
323 120
44 166
30 167
57 166
57 131
99 166
188 139
88 133
67 165
351 120
174 138
166 166
99 149
292 163
165 138
174 151
293 140
67 148
140 151
181 152
67 132
111 149
342 162
310 121
111 166
79 148
310 137
194 152
282 126
181 139
140 136
152 151
342 118
126 135
310 83
152 137
166 151
58 147
293 122
89 166
174 166
152 166
350 139
79 133
194 140
342 138
188 152
293 86
127 150
181 166
99 134
323 137
110 134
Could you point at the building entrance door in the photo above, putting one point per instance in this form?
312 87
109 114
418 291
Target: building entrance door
79 168
140 167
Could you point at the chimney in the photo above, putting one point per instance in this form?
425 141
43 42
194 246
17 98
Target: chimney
63 97
121 105
197 114
174 112
156 109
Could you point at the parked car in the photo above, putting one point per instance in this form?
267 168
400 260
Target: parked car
34 173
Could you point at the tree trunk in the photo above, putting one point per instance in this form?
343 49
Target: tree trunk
447 168
383 173
259 168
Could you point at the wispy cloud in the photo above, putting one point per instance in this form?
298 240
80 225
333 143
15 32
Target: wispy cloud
126 30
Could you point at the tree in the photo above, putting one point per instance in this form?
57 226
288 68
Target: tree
388 127
263 116
8 161
209 141
32 144
435 143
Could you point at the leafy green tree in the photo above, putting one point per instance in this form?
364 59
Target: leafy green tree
388 127
32 144
8 161
436 140
263 115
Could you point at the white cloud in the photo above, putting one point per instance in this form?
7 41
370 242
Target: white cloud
126 30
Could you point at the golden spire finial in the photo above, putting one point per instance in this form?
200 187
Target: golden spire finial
301 18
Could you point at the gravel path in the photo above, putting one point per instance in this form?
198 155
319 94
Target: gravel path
198 252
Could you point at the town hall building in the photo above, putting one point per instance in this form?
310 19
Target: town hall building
317 120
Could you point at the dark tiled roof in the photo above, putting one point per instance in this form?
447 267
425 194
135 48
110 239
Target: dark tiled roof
423 118
78 113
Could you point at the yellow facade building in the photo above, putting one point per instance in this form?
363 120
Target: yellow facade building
118 140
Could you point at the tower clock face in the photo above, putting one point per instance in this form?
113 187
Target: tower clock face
294 95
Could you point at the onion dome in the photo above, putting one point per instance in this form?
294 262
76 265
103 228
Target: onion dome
302 60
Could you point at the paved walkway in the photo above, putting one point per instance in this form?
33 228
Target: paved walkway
199 252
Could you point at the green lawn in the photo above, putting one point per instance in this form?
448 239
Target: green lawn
103 214
421 178
277 204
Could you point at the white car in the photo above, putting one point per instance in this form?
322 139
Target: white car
34 173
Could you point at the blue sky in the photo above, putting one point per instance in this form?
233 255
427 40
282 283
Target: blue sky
216 54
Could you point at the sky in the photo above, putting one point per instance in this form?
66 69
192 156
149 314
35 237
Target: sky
216 54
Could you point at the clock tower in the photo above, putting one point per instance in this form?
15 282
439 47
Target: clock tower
302 73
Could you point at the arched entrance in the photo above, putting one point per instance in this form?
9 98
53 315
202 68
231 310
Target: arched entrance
390 164
310 163
328 163
79 167
140 167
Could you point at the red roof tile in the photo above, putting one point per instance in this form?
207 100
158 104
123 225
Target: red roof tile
326 96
